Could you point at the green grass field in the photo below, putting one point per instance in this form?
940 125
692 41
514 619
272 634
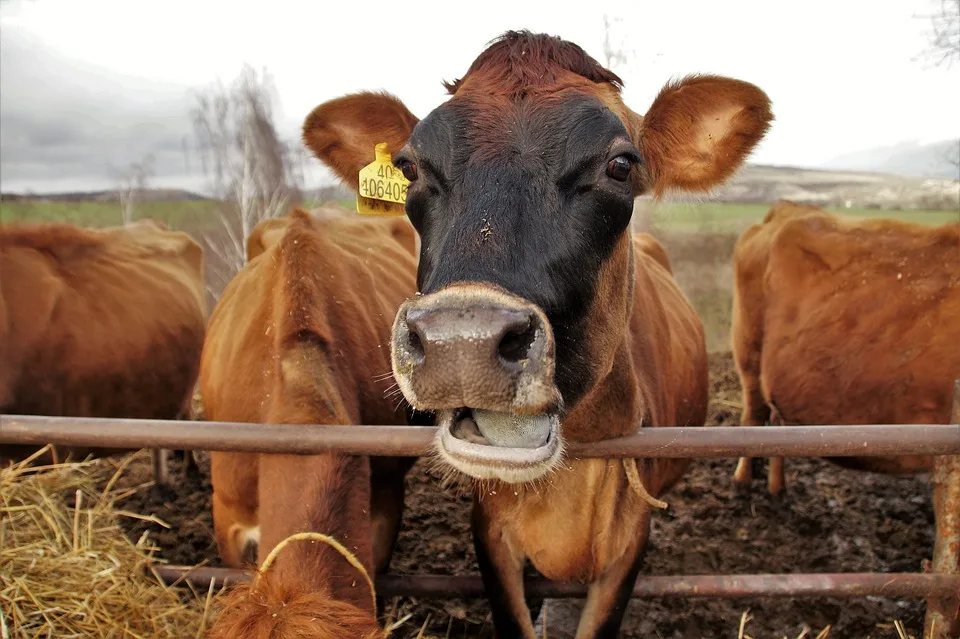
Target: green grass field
713 217
180 215
709 217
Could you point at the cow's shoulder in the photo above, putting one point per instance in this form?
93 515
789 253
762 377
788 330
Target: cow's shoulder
648 245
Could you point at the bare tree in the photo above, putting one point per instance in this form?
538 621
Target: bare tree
613 52
132 182
185 148
944 47
951 157
253 173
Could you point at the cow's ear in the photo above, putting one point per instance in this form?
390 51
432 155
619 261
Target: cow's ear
343 133
266 234
699 131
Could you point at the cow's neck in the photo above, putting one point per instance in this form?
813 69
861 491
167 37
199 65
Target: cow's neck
613 407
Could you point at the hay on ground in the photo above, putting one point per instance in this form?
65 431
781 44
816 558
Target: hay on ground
67 569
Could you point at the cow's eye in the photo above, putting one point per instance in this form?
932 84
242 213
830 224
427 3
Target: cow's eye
619 168
408 168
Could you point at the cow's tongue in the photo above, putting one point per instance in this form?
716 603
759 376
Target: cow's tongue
512 431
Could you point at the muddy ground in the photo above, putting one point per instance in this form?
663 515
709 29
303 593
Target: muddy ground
831 521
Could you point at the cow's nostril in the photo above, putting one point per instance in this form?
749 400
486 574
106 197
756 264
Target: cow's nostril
415 343
516 343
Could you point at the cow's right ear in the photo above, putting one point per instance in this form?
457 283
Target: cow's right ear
343 133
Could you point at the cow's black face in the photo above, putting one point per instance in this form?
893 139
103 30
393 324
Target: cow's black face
519 206
522 190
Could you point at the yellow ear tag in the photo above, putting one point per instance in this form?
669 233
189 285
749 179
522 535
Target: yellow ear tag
383 189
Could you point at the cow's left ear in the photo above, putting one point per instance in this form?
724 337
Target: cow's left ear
266 234
344 132
699 130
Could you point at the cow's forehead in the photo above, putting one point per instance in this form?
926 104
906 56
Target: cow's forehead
554 131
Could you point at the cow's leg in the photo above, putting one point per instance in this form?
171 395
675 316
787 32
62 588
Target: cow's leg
746 330
191 465
775 479
609 595
755 413
501 569
235 479
161 476
387 476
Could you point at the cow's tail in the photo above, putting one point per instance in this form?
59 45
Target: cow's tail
271 607
272 610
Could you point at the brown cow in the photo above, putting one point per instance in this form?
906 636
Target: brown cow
541 320
838 320
99 323
301 336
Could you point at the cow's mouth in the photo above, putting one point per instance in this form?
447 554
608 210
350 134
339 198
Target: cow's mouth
505 446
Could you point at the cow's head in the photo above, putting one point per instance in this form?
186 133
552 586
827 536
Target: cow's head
522 188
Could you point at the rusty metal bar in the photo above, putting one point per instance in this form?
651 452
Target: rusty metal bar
893 585
943 613
299 439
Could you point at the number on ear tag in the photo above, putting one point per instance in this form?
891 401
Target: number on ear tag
383 189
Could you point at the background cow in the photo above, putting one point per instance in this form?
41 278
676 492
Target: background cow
99 323
540 319
301 336
839 320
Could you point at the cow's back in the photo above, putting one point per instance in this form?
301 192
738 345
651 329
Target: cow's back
99 322
327 284
861 321
751 253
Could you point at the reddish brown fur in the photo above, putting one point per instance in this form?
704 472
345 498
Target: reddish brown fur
584 522
840 320
276 609
300 336
686 151
518 67
98 323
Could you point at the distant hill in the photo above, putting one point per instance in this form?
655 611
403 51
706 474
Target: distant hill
148 195
333 192
937 159
761 184
754 184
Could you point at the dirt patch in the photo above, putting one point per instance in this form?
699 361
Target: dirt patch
831 521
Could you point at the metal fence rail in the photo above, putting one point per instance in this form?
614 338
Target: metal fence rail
867 584
417 441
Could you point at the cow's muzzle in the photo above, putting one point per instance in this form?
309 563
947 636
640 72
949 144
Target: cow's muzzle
484 361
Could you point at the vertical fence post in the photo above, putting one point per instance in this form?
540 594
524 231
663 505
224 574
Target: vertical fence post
943 615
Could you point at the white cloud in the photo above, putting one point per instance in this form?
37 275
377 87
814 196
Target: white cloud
842 75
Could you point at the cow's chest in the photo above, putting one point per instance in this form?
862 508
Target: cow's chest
575 524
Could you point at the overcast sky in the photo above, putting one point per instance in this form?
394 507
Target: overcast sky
89 86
